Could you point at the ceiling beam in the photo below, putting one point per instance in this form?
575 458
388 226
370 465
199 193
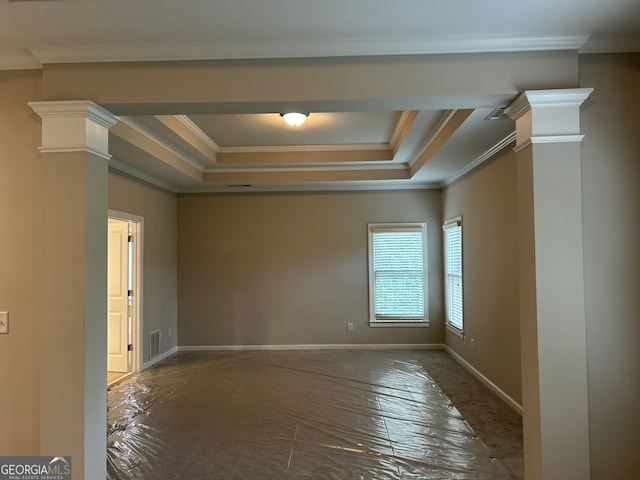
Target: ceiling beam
450 122
183 127
407 118
144 139
340 84
483 157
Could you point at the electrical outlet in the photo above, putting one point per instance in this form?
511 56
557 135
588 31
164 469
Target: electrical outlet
350 326
169 331
472 344
4 322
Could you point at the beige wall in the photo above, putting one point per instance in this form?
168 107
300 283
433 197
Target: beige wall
279 269
611 203
487 201
291 268
20 262
158 208
611 226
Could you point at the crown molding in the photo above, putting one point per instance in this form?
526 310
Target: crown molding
449 123
480 159
404 124
332 48
156 139
315 168
197 131
145 177
18 61
364 185
39 55
189 132
358 186
307 174
403 127
597 44
445 118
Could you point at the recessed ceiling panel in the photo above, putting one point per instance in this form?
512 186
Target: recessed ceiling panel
268 129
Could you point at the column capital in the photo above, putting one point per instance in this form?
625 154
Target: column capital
74 126
548 116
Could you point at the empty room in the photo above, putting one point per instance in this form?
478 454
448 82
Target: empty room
427 271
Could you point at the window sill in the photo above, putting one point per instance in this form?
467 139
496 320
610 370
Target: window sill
456 331
381 324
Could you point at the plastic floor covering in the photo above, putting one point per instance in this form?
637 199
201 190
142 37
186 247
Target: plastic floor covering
290 415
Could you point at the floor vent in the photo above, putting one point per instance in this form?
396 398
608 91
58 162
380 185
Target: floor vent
154 344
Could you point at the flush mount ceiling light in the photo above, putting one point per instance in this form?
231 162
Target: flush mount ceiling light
294 119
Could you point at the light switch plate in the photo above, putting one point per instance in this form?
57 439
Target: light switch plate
4 322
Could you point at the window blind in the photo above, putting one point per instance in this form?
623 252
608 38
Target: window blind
453 274
398 270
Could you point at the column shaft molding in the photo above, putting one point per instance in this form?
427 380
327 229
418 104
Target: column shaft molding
74 126
73 330
548 116
553 343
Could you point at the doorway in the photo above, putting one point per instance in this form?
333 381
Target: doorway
124 295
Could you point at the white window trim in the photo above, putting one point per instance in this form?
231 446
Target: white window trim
455 330
399 322
450 223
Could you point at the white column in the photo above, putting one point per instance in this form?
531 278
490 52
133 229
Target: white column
74 284
551 276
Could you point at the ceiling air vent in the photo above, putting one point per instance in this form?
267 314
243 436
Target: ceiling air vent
497 114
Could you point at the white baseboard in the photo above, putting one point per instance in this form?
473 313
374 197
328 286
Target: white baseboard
159 358
338 346
124 376
488 383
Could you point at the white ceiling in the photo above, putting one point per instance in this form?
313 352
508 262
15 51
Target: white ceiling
34 33
70 29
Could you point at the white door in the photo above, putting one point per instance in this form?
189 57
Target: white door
118 293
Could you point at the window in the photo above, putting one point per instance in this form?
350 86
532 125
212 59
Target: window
453 273
397 274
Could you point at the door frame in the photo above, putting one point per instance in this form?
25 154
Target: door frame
137 318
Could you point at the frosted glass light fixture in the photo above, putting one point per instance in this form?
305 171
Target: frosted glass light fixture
294 119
